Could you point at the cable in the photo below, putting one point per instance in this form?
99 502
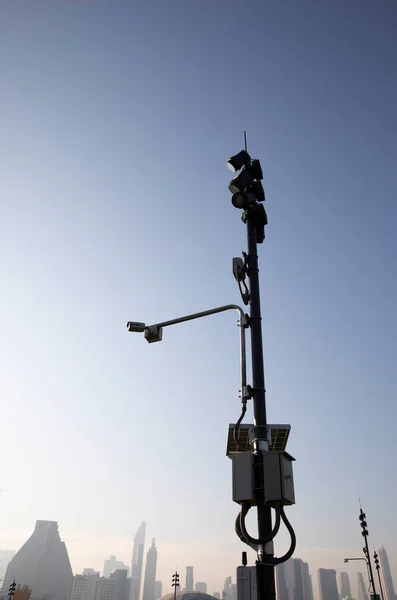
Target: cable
292 547
253 541
237 426
239 533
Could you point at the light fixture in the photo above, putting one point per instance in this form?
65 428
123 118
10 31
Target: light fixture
243 200
239 183
238 161
255 169
257 189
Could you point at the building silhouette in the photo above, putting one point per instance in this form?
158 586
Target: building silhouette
298 579
361 587
137 562
344 585
281 582
42 564
189 581
293 580
5 557
150 572
384 561
90 586
158 589
112 564
85 585
201 586
327 584
307 582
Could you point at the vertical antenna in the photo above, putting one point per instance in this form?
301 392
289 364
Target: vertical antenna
245 140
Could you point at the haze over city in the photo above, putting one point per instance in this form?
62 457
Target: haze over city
117 121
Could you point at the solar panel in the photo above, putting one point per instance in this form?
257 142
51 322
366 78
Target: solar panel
278 433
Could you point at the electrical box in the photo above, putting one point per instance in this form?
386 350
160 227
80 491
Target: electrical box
246 583
277 474
278 478
243 477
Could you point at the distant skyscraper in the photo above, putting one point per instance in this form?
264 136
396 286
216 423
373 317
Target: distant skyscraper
345 590
298 576
384 561
5 557
201 586
189 586
158 590
231 592
216 595
307 582
281 582
150 572
137 561
228 581
42 564
112 564
361 587
327 584
121 584
294 581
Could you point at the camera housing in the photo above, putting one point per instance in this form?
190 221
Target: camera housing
136 326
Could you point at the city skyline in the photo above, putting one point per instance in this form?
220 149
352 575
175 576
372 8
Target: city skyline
297 574
119 118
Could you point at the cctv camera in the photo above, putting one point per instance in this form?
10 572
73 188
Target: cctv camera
238 269
135 326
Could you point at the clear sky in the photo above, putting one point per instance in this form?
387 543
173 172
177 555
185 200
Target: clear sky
117 118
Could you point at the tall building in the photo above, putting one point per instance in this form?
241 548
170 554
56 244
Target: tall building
384 561
344 586
5 557
281 582
112 564
201 586
137 561
298 579
307 582
121 584
293 580
231 592
150 572
189 581
327 584
158 589
361 587
85 585
42 564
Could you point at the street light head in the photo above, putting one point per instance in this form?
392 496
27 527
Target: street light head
153 334
136 326
238 161
243 200
346 560
239 183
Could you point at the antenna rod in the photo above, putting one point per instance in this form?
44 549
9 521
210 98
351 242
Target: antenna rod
245 140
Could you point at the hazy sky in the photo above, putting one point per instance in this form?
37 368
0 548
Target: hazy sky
117 117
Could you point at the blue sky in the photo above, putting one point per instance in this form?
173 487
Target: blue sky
117 118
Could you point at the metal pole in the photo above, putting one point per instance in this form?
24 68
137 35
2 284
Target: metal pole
377 567
264 566
371 574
